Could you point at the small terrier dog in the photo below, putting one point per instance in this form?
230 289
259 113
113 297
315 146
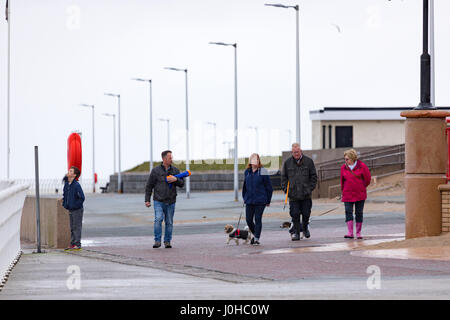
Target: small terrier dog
236 234
288 225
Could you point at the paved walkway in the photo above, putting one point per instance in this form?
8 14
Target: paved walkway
118 262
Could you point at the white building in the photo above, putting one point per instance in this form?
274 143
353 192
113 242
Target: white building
337 127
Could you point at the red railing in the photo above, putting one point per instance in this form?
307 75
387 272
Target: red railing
447 132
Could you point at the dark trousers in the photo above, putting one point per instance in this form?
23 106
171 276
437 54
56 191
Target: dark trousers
253 215
359 207
76 222
297 209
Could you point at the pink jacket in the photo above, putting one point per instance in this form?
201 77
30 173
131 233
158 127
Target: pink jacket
354 183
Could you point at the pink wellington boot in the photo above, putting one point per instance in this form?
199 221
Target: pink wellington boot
358 230
349 235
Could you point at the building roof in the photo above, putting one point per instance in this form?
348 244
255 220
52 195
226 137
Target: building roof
360 113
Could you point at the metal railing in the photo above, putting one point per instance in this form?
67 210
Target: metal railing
388 156
55 186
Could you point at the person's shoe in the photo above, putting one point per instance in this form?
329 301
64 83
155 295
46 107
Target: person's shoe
256 243
306 232
358 230
252 241
349 235
167 244
157 244
69 248
74 248
295 237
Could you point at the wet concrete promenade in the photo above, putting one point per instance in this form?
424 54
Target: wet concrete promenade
118 261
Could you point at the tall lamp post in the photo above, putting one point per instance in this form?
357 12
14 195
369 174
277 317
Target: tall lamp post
214 124
425 65
119 175
93 141
297 61
8 116
256 137
114 138
168 131
236 177
188 186
151 119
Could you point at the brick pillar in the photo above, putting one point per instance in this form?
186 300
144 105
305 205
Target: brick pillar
426 162
445 207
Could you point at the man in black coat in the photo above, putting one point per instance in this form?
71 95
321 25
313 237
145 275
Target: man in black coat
300 172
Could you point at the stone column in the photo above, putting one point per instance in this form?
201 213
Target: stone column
426 160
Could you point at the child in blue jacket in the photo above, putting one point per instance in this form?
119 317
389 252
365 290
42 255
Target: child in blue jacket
73 198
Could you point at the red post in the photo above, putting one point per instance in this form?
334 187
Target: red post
447 132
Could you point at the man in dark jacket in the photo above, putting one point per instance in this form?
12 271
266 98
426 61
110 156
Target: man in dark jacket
73 198
163 185
300 172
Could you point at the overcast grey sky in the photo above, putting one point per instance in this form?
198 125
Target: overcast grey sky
353 53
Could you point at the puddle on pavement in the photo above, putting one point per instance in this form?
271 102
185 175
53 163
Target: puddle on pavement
426 253
339 246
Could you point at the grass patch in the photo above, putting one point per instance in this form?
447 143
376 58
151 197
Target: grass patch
213 165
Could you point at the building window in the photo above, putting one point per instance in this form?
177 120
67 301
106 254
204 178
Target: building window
324 132
344 136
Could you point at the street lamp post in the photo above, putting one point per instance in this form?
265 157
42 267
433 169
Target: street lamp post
433 77
214 124
151 120
168 132
119 175
425 66
93 140
256 138
114 138
8 115
188 186
236 177
297 61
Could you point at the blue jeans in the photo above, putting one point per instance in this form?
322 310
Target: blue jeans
163 211
254 212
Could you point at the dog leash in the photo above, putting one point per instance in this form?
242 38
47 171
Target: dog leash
285 200
242 210
323 213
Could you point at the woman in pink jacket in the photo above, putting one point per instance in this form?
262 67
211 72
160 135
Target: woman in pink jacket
355 178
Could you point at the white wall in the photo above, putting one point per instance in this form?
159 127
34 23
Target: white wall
12 197
366 133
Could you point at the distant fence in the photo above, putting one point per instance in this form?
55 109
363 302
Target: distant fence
55 186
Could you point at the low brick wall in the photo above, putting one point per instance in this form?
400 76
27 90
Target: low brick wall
445 207
55 224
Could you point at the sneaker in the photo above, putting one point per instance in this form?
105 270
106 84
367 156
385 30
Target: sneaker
167 244
157 244
295 237
256 243
69 248
73 248
252 241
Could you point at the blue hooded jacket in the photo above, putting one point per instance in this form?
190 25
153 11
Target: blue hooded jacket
73 196
257 188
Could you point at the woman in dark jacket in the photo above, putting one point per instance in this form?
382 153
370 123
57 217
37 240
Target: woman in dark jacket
257 194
